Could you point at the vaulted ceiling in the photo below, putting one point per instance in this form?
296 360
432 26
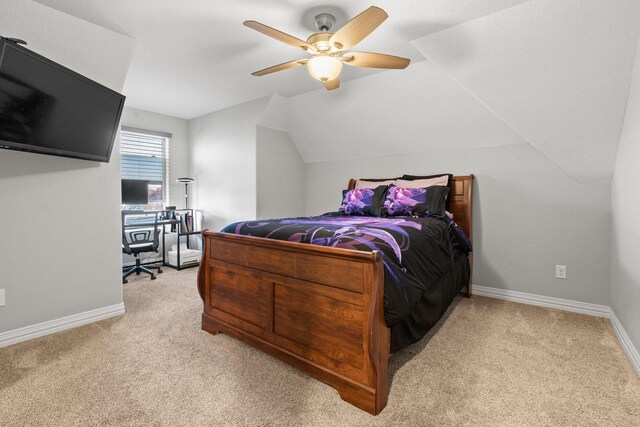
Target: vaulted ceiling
552 74
558 72
194 57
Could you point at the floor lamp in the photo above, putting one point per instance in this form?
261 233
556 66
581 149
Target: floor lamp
186 182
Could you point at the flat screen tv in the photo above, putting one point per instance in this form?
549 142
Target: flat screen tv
135 192
49 109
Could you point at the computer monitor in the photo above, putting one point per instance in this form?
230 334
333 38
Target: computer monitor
135 192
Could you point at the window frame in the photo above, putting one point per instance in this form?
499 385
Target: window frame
164 149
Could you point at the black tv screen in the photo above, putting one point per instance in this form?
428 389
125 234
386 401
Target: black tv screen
49 109
135 192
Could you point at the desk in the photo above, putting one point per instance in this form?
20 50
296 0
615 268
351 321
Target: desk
145 219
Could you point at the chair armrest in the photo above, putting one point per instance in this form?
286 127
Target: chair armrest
125 245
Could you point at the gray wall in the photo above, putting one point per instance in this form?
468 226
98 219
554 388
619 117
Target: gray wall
625 207
60 245
244 164
528 215
223 163
280 175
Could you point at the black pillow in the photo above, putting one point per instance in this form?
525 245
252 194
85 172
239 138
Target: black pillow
377 179
364 201
428 201
414 177
449 179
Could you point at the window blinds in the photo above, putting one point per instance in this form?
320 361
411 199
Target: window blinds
145 157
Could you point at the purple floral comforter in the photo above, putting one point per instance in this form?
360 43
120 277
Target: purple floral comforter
416 251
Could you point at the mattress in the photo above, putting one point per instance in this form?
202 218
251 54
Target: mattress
424 258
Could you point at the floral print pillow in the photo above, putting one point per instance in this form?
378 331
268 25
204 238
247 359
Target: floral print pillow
363 201
401 201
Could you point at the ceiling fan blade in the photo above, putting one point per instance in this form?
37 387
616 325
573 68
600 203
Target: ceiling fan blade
280 67
374 60
278 35
358 28
332 84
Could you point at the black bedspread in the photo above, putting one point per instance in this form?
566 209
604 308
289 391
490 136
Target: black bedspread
422 259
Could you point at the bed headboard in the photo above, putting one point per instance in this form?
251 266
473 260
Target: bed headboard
459 201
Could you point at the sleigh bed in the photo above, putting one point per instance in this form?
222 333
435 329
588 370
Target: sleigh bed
322 309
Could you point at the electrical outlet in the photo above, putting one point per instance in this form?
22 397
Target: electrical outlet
561 271
1 297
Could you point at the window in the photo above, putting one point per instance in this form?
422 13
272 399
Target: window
144 155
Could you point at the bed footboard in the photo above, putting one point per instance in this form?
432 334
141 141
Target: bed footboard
319 309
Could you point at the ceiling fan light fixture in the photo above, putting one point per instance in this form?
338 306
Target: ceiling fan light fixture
324 68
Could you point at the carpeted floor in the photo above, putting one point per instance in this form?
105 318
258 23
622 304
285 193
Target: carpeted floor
489 362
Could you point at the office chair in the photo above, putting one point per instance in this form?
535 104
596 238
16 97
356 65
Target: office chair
139 240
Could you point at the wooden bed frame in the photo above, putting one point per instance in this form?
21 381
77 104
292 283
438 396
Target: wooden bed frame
317 308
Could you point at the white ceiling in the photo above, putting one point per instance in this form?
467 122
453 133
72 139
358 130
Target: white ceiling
558 72
194 57
553 74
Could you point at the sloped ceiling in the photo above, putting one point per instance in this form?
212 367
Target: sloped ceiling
195 57
413 110
557 71
552 74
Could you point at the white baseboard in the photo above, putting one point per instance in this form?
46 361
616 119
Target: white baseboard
542 301
625 341
52 326
567 305
45 328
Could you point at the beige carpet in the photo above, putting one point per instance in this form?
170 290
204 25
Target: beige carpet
489 362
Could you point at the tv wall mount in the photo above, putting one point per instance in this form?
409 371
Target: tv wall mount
16 41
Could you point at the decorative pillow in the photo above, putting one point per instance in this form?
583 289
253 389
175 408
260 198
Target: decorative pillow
363 201
402 201
423 183
363 183
414 177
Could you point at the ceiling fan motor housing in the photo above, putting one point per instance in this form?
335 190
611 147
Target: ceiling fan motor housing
320 41
324 21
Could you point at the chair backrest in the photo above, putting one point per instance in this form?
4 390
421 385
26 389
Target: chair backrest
145 238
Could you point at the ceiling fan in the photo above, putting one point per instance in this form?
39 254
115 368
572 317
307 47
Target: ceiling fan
327 49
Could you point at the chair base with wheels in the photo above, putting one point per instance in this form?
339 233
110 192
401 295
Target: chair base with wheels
137 269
